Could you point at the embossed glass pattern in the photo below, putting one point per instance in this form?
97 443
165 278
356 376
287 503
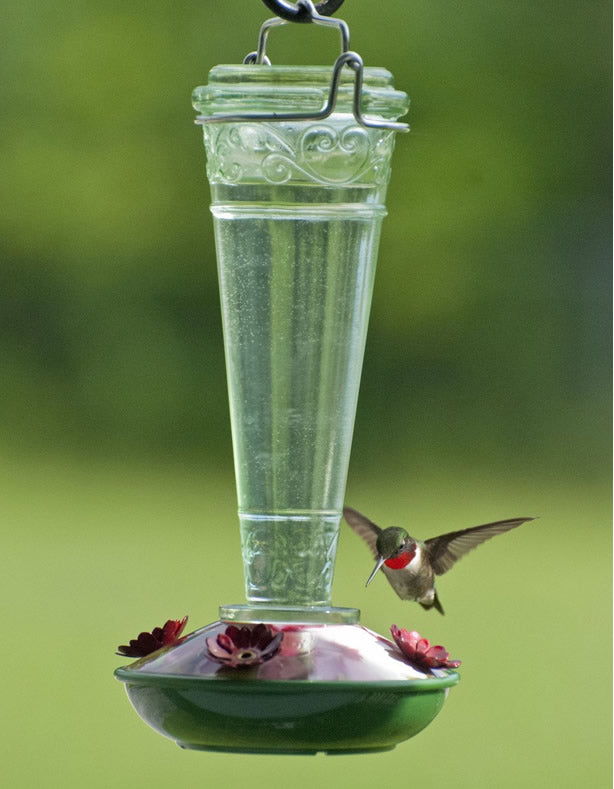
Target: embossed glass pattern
297 211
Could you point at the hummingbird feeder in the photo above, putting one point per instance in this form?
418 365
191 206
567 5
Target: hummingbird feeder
298 160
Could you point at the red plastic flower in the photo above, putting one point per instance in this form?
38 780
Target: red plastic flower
244 646
420 651
146 643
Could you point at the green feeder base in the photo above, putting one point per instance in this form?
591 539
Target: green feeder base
333 688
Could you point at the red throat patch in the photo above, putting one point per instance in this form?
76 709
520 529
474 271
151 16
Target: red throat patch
400 561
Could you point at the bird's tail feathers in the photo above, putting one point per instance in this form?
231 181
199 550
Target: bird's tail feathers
435 604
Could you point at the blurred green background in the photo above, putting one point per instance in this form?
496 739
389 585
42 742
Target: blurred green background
485 390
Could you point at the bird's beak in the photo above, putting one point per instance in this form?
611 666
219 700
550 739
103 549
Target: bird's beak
380 561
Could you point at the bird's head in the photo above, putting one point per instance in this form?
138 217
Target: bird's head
395 548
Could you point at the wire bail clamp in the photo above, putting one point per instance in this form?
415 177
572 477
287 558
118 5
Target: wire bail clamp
346 58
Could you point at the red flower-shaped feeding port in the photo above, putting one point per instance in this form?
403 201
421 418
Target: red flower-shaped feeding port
249 645
146 643
419 650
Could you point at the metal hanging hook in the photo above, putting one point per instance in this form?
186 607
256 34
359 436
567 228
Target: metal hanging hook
259 56
299 12
346 59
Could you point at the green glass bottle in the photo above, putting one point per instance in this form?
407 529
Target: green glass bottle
297 207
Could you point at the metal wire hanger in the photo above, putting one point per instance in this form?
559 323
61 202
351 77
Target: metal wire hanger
305 11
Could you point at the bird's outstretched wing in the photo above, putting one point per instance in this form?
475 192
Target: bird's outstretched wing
363 527
447 549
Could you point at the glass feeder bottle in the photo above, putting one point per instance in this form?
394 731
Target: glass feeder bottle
298 159
297 203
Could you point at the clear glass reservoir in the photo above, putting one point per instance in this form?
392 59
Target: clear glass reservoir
297 209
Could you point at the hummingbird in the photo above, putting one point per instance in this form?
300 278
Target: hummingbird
411 565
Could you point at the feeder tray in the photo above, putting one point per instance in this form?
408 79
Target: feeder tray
337 688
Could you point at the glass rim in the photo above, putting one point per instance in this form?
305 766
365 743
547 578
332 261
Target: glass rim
240 87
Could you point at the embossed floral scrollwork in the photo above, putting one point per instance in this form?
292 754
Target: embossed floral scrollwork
277 168
321 153
335 156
